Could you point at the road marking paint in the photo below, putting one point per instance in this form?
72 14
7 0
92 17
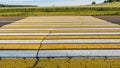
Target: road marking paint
78 53
81 41
16 34
18 53
28 37
83 37
85 30
21 41
34 23
51 34
51 26
88 33
80 46
58 46
59 53
21 37
20 46
63 41
18 31
8 31
59 28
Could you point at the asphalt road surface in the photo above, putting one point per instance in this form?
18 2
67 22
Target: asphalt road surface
8 20
113 19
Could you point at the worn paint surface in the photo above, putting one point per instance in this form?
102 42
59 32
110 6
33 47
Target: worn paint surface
60 42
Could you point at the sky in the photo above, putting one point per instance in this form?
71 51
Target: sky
50 2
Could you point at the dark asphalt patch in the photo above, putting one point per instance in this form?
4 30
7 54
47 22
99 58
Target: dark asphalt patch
8 20
112 19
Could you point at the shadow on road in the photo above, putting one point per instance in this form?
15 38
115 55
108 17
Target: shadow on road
113 19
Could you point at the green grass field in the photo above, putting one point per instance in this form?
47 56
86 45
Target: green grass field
93 10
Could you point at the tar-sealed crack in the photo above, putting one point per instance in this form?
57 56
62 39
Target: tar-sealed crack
24 60
69 58
37 57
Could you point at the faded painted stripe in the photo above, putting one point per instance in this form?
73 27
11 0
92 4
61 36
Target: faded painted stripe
81 41
58 46
51 26
87 33
59 53
21 41
83 37
21 37
79 53
24 31
8 31
18 53
59 28
63 41
80 46
25 37
20 46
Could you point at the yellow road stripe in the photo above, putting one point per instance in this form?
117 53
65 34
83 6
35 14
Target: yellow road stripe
17 31
58 37
58 46
22 37
84 37
19 46
25 26
85 31
7 31
77 46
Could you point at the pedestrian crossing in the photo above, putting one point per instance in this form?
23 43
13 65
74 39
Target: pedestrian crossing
26 38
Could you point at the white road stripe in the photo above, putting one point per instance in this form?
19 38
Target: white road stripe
59 28
24 34
82 41
63 41
60 53
87 33
21 41
79 53
18 53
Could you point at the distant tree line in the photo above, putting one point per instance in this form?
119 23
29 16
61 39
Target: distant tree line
107 1
3 5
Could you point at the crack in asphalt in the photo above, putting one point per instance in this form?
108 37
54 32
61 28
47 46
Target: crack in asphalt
69 58
24 60
37 57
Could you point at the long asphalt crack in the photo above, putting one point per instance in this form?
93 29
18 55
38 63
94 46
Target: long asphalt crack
37 57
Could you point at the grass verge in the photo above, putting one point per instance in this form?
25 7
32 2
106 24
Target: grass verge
57 11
